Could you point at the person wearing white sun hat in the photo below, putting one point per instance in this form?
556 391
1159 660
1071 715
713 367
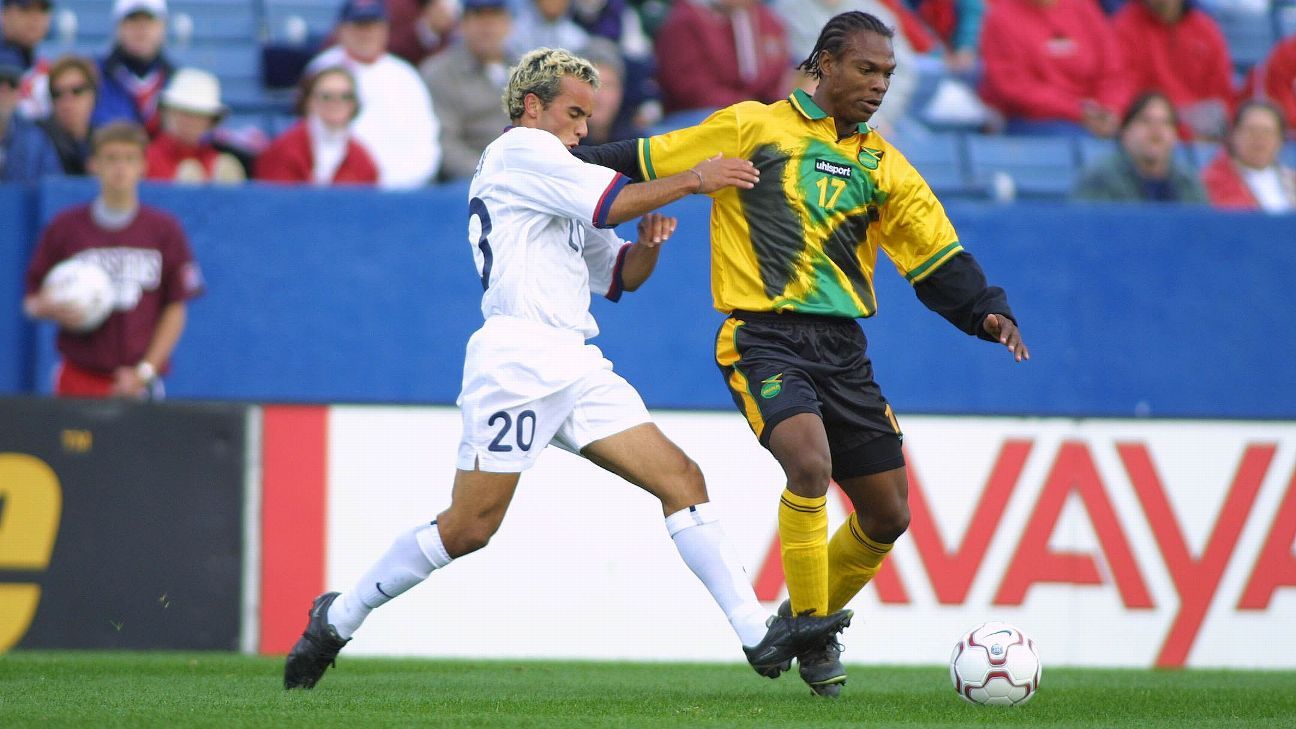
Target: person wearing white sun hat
183 151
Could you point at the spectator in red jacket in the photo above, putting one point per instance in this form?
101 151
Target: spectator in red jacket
1247 174
1172 46
1275 79
1053 67
184 150
320 149
717 53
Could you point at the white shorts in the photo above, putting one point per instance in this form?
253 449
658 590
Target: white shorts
527 385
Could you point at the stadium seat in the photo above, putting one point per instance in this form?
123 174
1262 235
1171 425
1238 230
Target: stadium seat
241 120
1284 18
278 123
1249 36
1186 154
1288 154
938 157
237 21
93 21
52 49
1202 152
1091 150
190 20
226 60
300 21
238 65
1040 167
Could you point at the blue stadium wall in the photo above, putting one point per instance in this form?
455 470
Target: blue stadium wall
362 296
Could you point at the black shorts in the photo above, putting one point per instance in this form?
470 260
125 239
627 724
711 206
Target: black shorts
780 365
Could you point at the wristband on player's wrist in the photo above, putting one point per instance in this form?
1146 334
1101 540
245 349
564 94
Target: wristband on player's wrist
701 182
145 371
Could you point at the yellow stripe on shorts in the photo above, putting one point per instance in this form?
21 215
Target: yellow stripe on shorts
891 416
727 356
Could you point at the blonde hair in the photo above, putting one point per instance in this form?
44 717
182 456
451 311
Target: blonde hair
540 72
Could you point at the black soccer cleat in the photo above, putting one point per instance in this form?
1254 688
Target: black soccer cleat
791 635
316 650
820 666
822 670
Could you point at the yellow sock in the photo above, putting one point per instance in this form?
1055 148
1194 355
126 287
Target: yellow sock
853 559
803 532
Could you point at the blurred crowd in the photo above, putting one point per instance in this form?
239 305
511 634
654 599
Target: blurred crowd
404 93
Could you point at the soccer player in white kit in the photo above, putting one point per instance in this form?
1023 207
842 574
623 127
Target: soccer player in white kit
540 230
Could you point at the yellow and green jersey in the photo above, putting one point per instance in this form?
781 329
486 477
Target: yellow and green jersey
805 239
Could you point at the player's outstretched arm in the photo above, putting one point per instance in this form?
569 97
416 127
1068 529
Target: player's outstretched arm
654 229
705 177
958 291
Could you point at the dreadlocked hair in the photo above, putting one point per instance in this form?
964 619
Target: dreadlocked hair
834 34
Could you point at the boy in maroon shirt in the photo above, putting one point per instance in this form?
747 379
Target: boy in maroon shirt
145 253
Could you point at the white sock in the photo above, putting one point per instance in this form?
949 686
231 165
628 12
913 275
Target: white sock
409 561
701 542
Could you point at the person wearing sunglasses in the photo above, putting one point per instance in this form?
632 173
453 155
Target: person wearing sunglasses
73 86
320 149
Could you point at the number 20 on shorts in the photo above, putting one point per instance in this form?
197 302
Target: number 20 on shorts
523 430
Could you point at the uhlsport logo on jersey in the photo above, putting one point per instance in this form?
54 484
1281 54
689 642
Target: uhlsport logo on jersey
834 169
771 387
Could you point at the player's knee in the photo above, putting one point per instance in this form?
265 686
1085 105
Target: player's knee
684 487
467 539
887 525
691 479
808 474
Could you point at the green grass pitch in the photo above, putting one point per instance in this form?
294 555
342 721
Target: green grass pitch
75 689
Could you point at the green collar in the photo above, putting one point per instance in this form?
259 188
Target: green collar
804 103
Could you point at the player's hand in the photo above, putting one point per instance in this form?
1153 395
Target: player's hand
67 315
1001 327
127 383
655 229
720 172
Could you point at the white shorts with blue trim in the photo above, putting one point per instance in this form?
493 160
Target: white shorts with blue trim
527 385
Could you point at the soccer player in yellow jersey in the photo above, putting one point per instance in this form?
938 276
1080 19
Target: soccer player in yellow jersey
792 264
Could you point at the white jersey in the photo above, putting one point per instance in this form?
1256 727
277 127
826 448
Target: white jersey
536 225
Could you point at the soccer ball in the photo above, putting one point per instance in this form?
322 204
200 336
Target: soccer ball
85 285
995 664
